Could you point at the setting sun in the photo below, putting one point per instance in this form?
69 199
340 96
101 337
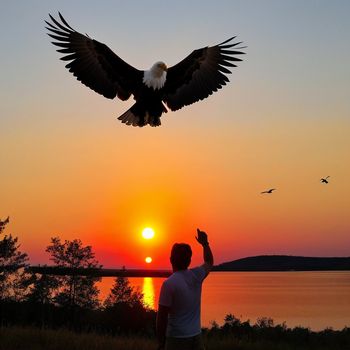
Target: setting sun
148 260
148 233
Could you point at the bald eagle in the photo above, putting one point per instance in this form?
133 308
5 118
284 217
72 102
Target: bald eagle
94 64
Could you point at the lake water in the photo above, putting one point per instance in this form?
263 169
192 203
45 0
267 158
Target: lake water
310 299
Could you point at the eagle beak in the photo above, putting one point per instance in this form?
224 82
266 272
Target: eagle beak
165 68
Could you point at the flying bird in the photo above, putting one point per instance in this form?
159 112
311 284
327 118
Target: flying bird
155 90
324 180
268 191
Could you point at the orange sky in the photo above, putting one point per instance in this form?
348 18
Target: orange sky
69 168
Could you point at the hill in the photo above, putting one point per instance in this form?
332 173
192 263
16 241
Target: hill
285 263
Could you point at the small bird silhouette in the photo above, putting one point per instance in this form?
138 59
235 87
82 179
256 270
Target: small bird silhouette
268 191
324 180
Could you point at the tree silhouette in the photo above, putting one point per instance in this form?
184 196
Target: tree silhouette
3 224
124 310
42 288
12 267
123 293
75 290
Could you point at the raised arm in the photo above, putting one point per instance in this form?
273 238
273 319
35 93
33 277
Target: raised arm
202 239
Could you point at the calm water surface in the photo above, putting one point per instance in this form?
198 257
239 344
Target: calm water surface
310 299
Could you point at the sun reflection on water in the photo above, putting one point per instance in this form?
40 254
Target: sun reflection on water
148 292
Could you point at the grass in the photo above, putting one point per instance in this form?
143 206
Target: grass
30 338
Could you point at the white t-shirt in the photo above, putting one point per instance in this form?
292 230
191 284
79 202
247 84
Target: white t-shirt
181 292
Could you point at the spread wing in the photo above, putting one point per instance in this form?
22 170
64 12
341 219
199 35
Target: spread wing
93 63
200 74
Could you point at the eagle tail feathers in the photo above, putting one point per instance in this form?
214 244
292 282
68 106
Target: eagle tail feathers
129 118
139 115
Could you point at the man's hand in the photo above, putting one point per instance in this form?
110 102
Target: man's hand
202 237
208 258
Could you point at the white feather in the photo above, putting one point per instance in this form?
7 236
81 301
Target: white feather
155 77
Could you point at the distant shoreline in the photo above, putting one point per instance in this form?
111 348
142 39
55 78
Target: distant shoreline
263 263
61 271
286 263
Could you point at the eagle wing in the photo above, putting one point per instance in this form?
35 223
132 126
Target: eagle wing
93 63
200 74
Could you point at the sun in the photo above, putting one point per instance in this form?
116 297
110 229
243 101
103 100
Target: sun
147 233
148 260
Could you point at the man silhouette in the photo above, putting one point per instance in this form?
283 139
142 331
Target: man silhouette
178 319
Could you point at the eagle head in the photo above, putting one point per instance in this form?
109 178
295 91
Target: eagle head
156 76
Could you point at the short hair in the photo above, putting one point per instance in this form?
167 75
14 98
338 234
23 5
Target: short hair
181 254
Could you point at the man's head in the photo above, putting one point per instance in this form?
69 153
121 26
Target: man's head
181 254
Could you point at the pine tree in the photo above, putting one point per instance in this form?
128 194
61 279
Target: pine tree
123 293
12 267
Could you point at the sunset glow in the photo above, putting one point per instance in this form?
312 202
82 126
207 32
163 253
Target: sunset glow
148 233
148 292
70 169
148 260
